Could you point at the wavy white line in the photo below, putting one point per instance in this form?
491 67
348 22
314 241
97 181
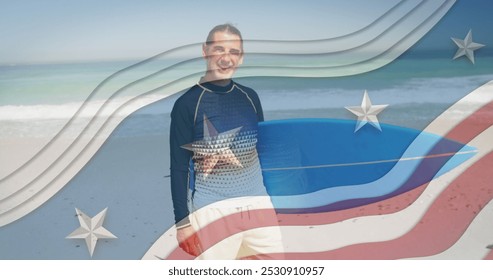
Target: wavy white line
46 173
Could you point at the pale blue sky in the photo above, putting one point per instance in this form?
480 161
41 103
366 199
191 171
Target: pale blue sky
58 31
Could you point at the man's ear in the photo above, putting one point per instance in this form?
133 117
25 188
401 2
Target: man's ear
204 50
240 61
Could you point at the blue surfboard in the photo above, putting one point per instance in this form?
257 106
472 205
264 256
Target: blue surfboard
315 165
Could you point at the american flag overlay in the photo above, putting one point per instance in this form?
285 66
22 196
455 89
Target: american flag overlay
85 147
442 219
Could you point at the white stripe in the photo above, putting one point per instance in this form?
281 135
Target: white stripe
473 244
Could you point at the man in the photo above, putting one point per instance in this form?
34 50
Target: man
215 169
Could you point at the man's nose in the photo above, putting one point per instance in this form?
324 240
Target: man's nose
225 59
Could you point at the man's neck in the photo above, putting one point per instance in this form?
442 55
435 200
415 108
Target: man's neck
221 83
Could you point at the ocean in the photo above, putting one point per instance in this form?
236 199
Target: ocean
37 100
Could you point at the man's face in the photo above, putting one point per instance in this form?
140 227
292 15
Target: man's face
223 56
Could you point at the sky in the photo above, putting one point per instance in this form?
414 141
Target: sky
53 31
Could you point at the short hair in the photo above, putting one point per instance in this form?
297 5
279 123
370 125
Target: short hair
227 27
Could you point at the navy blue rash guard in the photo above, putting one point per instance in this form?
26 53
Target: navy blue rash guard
213 139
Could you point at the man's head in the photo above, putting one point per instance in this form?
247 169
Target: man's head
223 51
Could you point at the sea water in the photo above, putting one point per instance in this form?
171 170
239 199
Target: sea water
37 100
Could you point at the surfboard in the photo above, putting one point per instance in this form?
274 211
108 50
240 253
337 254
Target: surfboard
314 165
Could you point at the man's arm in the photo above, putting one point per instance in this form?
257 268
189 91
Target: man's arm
258 106
181 133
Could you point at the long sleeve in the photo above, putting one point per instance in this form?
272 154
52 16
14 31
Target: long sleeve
257 104
226 107
181 133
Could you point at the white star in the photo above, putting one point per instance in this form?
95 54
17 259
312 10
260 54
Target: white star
214 148
91 229
367 113
466 47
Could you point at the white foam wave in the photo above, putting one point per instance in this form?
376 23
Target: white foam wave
419 90
67 110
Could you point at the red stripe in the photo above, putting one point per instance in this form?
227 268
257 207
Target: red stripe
473 125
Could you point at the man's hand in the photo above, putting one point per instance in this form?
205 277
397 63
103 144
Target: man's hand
188 240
